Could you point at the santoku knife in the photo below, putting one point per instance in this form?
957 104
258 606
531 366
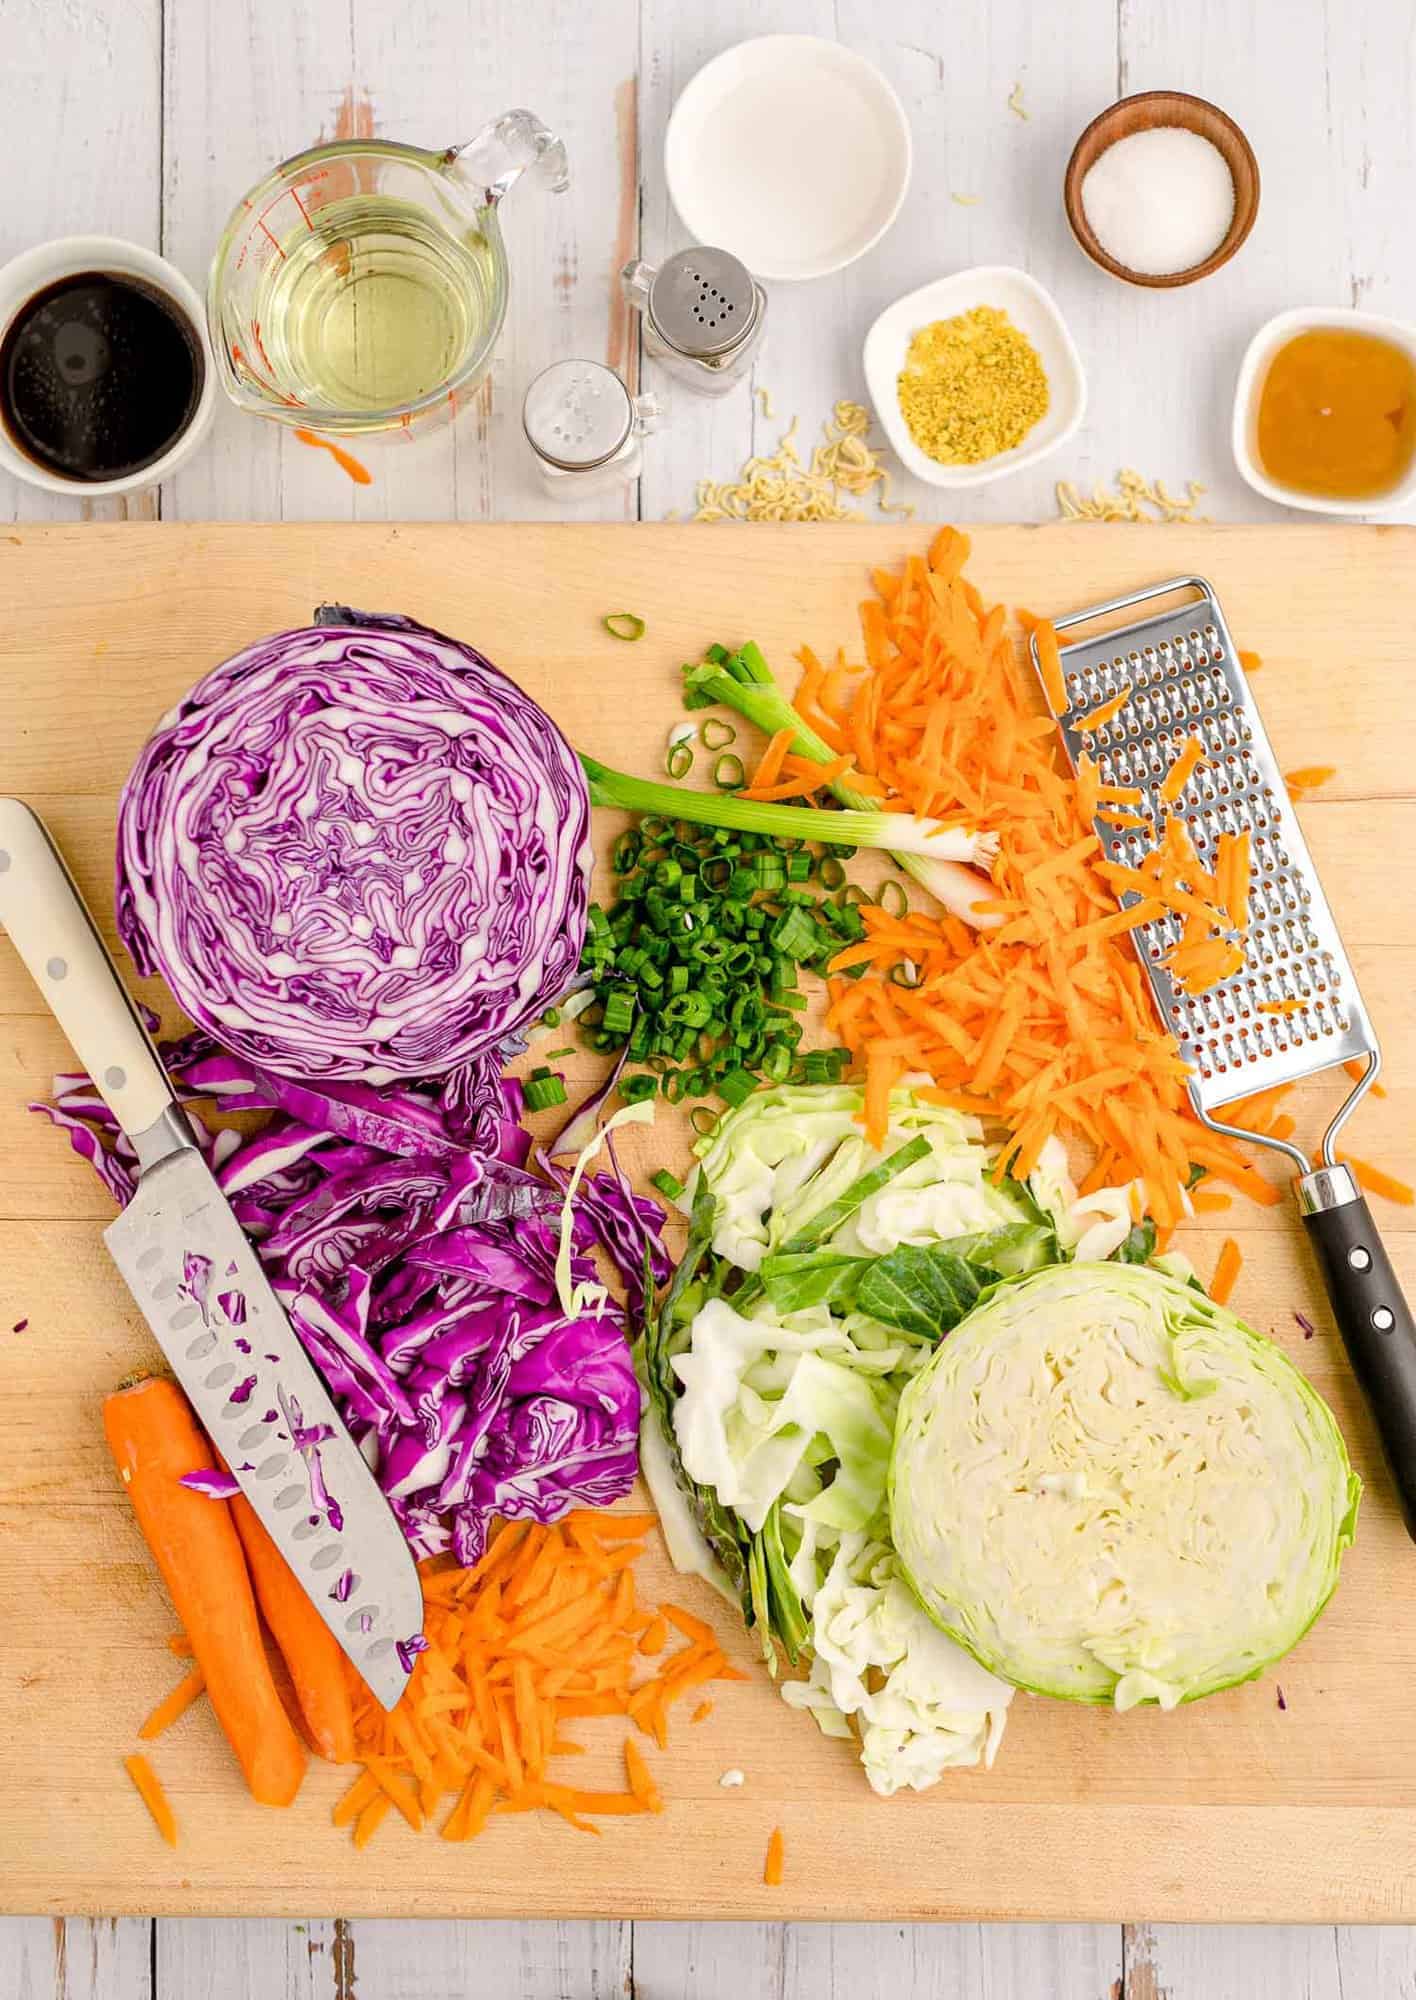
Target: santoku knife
201 1288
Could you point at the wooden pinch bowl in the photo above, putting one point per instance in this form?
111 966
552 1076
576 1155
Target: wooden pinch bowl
1143 113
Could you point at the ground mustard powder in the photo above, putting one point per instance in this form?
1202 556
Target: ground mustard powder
971 387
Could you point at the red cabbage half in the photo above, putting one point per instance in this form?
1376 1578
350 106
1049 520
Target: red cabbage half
356 850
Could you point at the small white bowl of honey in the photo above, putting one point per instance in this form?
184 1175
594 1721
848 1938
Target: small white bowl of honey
1325 411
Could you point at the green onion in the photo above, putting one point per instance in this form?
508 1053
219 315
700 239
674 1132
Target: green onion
715 734
736 1087
831 872
668 1187
729 772
635 1088
703 1121
551 1018
679 761
893 900
542 1092
905 973
623 625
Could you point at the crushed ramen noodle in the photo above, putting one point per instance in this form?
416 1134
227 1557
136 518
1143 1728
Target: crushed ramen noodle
1132 499
780 487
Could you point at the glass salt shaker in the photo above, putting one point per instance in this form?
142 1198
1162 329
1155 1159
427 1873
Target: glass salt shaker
703 316
585 428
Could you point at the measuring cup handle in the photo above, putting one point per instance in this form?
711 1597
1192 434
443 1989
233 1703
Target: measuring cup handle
1372 1317
494 161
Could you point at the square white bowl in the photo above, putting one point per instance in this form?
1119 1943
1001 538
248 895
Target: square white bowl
1276 333
1034 312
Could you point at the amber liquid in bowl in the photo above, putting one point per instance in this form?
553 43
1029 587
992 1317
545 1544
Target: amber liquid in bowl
1337 414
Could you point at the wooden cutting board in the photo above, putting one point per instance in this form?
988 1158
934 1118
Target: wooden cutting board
1232 1810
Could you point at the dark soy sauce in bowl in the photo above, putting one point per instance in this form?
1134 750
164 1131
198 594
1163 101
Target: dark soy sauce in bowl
100 374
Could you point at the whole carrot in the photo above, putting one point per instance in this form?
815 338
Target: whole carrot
308 1647
154 1439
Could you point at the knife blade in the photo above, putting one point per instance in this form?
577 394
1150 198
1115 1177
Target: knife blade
201 1287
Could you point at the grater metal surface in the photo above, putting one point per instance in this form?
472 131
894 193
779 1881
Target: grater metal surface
1183 671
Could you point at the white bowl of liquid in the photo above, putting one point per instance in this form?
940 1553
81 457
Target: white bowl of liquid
790 151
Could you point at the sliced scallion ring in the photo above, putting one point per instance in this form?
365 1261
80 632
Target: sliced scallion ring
893 900
623 625
831 872
679 761
729 772
715 734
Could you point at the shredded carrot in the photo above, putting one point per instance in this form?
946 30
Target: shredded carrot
1375 1181
1105 711
174 1704
770 768
702 1712
1210 1201
152 1795
545 1629
1356 1068
1044 1023
1230 1263
1192 755
1250 662
1282 1006
1309 776
776 1857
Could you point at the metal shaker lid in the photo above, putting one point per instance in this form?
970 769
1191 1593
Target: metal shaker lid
577 414
703 301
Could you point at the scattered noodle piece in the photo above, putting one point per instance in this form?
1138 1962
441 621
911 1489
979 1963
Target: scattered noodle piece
1015 102
779 487
764 396
965 200
1129 501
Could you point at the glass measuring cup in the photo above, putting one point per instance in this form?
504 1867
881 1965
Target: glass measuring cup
361 287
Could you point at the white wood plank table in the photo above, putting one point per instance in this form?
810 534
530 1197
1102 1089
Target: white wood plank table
147 118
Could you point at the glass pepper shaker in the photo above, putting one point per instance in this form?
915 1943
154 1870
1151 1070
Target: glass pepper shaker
584 428
703 316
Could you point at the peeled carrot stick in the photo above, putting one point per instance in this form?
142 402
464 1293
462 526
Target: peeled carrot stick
154 1439
1226 1270
308 1647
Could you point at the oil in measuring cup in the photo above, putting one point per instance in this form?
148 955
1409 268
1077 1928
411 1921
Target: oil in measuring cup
372 306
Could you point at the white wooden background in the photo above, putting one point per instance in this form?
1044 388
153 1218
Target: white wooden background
147 118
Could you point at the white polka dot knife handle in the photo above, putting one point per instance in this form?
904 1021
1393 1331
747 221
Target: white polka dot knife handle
48 923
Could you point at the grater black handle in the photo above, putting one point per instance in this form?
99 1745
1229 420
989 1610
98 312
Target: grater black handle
1372 1316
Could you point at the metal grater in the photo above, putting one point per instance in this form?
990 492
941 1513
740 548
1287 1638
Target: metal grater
1185 679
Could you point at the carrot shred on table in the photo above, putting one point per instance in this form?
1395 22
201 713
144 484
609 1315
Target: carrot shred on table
1282 1006
769 770
1309 776
776 1858
1375 1181
1250 662
1226 1270
530 1639
1021 1023
702 1712
1357 1068
172 1705
152 1795
1210 1201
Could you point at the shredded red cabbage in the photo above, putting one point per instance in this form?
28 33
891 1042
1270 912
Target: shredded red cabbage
420 1276
357 851
215 1485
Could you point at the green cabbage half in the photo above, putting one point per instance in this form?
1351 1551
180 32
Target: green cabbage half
1108 1488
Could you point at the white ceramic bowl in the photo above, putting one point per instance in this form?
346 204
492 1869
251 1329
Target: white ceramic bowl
789 151
65 257
1275 333
1033 311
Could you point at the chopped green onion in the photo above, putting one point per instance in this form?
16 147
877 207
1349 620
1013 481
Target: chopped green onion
679 761
715 734
893 900
736 1087
729 772
635 1088
905 973
542 1092
703 1121
623 625
668 1187
831 872
551 1018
